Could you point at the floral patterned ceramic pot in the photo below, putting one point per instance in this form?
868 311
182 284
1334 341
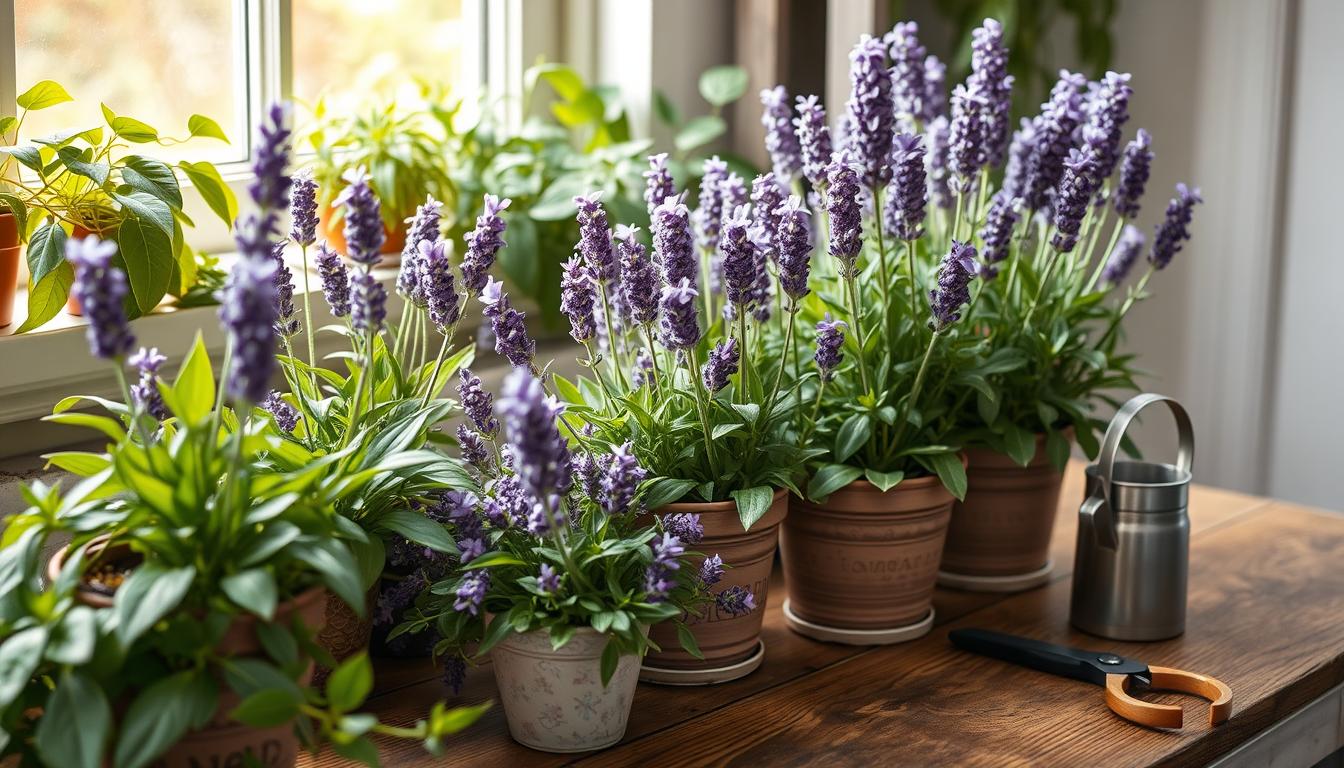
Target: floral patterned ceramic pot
554 700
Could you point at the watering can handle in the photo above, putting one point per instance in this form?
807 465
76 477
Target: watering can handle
1098 508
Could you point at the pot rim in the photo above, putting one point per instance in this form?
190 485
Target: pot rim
728 505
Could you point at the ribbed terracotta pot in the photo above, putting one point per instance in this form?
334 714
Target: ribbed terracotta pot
11 253
725 640
223 741
1003 528
554 700
344 633
866 560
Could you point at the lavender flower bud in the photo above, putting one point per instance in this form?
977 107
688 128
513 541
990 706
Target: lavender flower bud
739 258
780 140
1054 136
511 339
711 571
303 209
423 227
548 580
1174 230
286 417
908 192
685 526
101 290
935 89
595 238
247 311
843 207
1071 200
767 195
967 152
673 242
870 110
794 242
642 371
679 327
997 232
620 482
659 185
528 415
484 243
639 278
335 280
145 393
736 601
830 339
907 72
578 298
954 280
286 323
435 284
722 363
588 474
1125 255
1108 111
937 160
989 75
471 591
474 450
1019 155
270 184
814 139
660 576
477 403
368 304
1134 173
364 235
709 205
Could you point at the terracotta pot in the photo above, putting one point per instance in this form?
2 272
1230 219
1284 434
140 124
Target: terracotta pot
866 560
72 302
394 239
725 639
344 633
1003 527
223 741
554 701
11 254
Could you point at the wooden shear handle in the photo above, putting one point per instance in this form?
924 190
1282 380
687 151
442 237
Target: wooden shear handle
1165 715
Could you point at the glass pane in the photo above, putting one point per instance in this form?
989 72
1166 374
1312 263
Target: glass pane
350 49
158 61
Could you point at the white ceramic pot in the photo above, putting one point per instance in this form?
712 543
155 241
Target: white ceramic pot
554 700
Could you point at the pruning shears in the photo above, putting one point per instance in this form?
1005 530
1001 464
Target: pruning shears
1118 675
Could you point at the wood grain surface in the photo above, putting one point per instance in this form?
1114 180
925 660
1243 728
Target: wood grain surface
1266 616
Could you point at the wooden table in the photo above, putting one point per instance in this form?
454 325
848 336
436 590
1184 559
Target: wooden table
1266 615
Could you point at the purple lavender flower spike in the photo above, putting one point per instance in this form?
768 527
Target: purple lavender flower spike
739 258
659 185
639 277
477 403
908 191
474 450
869 109
1174 229
368 303
145 393
511 339
686 526
735 194
709 205
620 482
814 140
435 284
529 416
423 227
679 328
101 290
997 232
830 339
842 204
954 280
907 72
595 238
286 417
548 580
270 184
1125 255
1134 172
578 299
660 576
335 280
471 592
1019 155
1054 129
711 571
767 195
642 371
303 209
1108 111
936 162
935 89
286 321
989 75
364 235
794 242
673 242
780 140
966 151
722 363
736 600
1071 200
247 312
484 243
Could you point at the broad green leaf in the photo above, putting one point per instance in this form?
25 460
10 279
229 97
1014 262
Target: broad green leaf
31 157
153 177
80 162
253 590
566 82
830 478
360 751
194 388
133 130
884 481
557 200
688 642
666 490
752 504
499 628
150 593
853 434
723 85
522 266
46 250
19 657
200 125
15 206
147 253
1057 449
268 708
419 529
950 471
47 93
74 728
150 210
699 131
45 299
1019 444
81 463
109 427
611 658
666 109
350 683
72 641
333 560
161 714
207 181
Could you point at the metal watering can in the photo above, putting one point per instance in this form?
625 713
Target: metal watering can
1133 552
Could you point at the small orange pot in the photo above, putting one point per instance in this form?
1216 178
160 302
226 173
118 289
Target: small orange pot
726 641
72 302
394 239
866 560
11 253
1003 528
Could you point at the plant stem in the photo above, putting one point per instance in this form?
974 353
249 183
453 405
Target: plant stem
611 337
1129 303
308 319
745 378
653 357
812 420
851 293
914 390
885 280
700 406
914 289
1105 256
1040 289
769 403
434 377
296 386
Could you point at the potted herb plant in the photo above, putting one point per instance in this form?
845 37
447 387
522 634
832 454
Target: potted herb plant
87 183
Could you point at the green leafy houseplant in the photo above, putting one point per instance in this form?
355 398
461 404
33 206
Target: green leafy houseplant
87 182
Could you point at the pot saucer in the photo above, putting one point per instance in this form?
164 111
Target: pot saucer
858 636
1015 583
664 676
